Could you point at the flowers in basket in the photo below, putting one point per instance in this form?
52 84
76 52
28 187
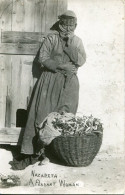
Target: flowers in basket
69 124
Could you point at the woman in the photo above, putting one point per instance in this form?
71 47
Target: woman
61 54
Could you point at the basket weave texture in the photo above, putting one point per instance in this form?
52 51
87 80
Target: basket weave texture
74 150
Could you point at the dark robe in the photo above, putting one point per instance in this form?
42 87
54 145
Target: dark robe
57 90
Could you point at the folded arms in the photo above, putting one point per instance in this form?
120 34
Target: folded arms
74 50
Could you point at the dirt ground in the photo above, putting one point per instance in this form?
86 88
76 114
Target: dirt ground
105 175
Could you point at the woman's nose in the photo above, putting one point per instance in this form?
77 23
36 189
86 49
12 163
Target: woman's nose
68 28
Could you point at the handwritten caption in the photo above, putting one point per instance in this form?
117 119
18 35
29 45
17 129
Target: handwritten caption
51 180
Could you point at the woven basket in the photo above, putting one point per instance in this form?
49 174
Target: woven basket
77 150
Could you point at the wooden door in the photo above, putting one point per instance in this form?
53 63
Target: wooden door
23 24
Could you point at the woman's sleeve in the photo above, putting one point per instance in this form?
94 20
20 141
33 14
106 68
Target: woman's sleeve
76 52
45 54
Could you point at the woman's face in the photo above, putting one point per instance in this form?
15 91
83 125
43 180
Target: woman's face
68 28
67 25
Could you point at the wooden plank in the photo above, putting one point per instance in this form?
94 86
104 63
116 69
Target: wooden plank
18 15
8 110
16 84
8 78
12 136
51 13
40 19
9 138
21 37
10 131
5 14
19 49
26 80
29 24
3 90
8 66
5 80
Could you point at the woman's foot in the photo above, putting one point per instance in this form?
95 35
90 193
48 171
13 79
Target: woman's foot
45 161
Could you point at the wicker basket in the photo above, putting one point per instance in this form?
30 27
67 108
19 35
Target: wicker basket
77 150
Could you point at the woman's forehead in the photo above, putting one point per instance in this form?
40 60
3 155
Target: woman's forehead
68 21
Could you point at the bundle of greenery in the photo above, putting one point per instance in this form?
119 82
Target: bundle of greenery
76 125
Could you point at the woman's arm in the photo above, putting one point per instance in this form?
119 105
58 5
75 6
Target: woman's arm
45 54
75 50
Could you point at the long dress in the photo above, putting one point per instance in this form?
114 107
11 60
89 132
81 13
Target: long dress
55 91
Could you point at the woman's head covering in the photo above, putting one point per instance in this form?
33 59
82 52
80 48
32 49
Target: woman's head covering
69 13
67 22
68 18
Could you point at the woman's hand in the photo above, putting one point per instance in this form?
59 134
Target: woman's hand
67 67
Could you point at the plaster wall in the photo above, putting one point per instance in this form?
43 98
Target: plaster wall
101 78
